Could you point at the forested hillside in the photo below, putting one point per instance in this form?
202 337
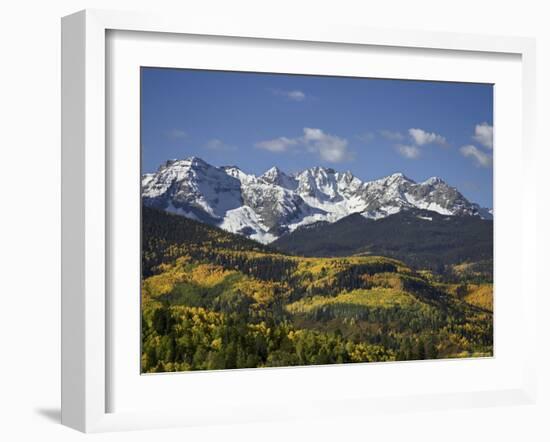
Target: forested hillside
214 300
421 238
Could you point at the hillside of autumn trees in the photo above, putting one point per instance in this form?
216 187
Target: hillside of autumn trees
214 300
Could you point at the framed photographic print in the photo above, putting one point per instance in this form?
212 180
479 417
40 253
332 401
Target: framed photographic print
258 252
280 223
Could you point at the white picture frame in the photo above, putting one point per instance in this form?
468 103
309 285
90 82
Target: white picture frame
86 356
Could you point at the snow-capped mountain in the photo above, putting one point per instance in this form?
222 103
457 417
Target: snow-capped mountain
266 206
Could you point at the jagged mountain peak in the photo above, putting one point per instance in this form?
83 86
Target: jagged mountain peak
276 176
397 177
266 206
273 171
194 160
432 181
237 173
273 174
178 165
189 161
317 170
231 167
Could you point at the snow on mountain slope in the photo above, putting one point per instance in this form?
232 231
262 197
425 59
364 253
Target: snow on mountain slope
277 177
192 185
237 173
245 221
333 193
266 206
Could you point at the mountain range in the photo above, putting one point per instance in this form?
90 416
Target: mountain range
267 207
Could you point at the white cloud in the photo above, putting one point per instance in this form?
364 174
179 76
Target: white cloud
410 152
481 159
328 147
391 135
483 134
176 133
281 144
296 95
293 95
421 137
418 138
219 145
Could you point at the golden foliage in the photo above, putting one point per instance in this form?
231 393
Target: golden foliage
379 297
480 295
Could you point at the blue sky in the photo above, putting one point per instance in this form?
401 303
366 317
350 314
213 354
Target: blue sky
371 127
